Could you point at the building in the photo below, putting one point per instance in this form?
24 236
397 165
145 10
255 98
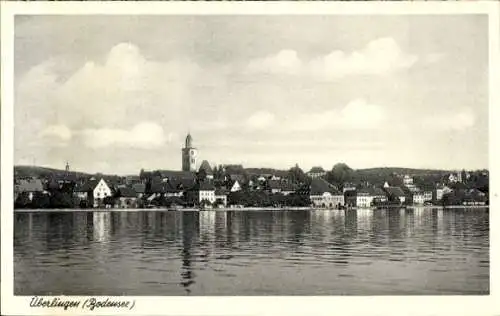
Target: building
379 195
205 167
395 194
221 196
189 155
323 194
316 172
407 180
29 187
418 198
100 191
126 198
364 198
442 190
234 186
347 186
206 192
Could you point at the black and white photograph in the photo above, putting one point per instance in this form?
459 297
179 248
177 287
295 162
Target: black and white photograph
249 154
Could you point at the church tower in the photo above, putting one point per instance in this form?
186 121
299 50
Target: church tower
189 155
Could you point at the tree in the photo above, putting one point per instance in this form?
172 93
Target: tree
297 175
340 174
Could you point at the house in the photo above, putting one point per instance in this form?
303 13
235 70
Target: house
407 180
83 193
323 194
28 186
234 186
100 191
316 172
364 198
347 186
395 194
221 196
126 198
140 189
427 196
206 192
205 167
379 195
418 198
474 197
442 190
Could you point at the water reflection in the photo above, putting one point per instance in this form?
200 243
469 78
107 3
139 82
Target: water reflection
251 253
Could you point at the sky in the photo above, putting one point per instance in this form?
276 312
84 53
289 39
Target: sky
115 94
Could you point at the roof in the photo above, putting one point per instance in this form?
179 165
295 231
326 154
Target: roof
237 177
86 186
173 174
320 186
206 167
396 191
281 185
139 187
378 192
220 191
316 170
30 185
127 192
206 186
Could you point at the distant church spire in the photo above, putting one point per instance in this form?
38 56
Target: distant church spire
189 155
67 166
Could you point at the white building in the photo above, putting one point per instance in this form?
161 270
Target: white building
418 198
101 191
206 192
323 194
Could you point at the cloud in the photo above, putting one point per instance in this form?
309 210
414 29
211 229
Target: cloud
260 120
379 57
284 62
56 135
461 120
357 114
143 135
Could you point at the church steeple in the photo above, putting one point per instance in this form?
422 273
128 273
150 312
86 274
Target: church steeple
189 155
67 166
189 141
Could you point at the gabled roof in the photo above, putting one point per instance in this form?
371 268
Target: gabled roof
206 167
378 192
320 186
396 191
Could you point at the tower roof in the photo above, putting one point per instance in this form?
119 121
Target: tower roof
189 141
206 166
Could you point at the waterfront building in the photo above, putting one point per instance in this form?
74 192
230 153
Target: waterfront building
418 198
323 194
442 190
395 194
29 186
221 195
100 191
206 192
364 198
189 155
126 198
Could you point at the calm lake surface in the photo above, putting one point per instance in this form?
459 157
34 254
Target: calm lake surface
324 252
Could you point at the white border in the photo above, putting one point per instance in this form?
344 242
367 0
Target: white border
296 305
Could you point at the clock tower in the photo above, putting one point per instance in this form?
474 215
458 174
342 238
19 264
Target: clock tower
189 155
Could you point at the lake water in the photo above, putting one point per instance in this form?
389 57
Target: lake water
324 252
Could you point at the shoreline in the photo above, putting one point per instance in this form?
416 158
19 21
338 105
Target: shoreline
243 209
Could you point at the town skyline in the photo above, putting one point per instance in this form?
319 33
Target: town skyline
404 92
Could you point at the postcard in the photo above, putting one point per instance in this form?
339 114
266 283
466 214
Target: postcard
249 158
